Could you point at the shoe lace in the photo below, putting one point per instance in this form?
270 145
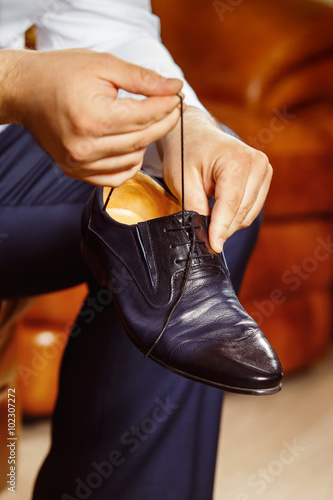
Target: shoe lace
190 227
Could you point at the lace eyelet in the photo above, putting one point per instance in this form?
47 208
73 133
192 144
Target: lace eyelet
176 261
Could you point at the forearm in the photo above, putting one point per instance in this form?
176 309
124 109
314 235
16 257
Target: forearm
10 84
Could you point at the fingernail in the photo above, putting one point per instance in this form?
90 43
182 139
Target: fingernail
171 80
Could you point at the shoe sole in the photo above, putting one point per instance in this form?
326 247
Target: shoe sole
194 378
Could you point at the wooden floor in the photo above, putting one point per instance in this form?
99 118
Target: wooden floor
272 448
279 447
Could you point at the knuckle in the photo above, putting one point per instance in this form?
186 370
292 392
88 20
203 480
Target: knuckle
138 156
74 155
148 77
78 150
270 170
69 167
83 123
77 120
121 111
242 214
134 163
245 156
261 162
262 157
102 59
142 119
70 148
141 143
135 168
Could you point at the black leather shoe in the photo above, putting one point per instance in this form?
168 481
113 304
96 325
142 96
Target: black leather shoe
173 292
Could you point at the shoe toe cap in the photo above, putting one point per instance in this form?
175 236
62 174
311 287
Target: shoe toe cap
248 365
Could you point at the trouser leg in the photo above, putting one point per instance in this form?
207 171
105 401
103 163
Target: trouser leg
124 427
40 211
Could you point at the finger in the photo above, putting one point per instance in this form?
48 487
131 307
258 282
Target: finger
84 150
259 203
104 166
229 192
254 196
138 80
129 115
120 144
113 179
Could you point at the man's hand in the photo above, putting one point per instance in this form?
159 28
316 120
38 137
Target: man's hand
218 166
68 99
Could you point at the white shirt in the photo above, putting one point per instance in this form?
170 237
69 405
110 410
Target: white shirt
125 28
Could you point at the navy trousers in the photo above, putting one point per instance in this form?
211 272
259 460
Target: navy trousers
124 428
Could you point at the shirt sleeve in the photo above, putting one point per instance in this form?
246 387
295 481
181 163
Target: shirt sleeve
126 28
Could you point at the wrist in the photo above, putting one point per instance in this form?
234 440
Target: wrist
196 123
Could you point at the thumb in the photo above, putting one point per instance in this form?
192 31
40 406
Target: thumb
218 230
139 80
197 200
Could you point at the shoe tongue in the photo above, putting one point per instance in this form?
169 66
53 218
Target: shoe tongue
191 217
